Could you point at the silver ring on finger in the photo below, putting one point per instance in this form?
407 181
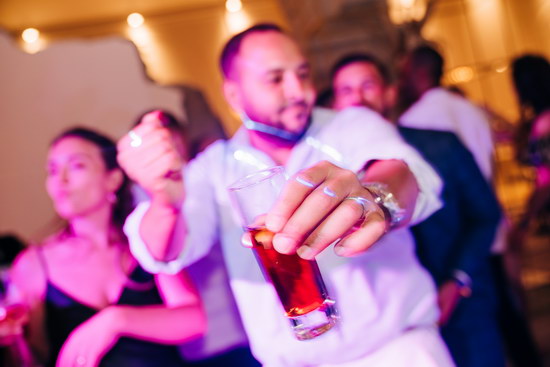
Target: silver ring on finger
366 205
135 139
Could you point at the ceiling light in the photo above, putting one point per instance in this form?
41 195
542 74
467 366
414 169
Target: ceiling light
233 6
135 20
30 35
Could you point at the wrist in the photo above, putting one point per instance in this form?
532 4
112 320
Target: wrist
114 319
393 213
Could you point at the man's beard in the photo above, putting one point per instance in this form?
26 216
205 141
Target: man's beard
274 131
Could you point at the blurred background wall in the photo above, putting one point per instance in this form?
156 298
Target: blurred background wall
84 67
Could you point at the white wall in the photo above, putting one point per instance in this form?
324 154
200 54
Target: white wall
98 83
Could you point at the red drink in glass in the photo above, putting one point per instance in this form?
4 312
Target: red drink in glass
298 282
299 286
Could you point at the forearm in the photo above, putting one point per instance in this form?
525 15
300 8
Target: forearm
160 230
399 180
158 323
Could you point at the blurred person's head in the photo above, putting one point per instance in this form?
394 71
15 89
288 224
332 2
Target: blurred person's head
361 80
531 75
267 81
177 130
420 71
84 178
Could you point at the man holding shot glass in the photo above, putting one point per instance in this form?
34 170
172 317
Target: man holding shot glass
353 186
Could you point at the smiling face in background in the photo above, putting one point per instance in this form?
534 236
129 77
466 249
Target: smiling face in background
77 179
359 84
272 82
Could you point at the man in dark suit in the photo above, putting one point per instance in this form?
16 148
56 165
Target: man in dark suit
454 243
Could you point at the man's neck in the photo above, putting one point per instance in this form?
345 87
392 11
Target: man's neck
276 148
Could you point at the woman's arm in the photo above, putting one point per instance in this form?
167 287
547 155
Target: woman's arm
180 319
28 277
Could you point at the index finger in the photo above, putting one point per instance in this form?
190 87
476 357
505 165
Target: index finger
293 194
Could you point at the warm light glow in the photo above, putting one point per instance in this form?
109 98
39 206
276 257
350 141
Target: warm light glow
501 66
141 36
30 35
233 6
135 20
404 11
237 22
461 74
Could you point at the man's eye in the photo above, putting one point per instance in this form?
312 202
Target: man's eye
275 79
304 74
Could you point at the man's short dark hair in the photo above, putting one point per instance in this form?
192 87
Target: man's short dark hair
361 57
427 58
233 46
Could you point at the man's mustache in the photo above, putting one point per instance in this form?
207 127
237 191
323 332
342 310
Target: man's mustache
291 104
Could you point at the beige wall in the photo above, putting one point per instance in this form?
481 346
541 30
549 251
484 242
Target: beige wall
100 84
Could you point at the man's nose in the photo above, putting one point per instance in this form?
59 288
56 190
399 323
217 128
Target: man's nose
358 99
294 87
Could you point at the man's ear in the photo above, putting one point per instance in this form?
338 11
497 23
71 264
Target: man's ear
232 95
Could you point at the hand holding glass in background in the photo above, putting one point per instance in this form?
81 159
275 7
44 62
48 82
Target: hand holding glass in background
298 282
13 317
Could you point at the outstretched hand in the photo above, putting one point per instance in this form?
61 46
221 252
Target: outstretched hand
321 205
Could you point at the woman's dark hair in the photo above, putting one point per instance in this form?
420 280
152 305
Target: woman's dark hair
531 75
124 202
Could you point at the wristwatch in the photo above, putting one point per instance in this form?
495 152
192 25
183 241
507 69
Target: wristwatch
393 212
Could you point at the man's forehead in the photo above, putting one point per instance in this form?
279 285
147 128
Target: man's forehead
264 51
364 68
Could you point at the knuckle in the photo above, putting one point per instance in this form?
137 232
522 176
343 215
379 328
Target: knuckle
325 165
348 175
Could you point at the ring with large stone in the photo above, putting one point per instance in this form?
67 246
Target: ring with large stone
366 205
135 139
80 361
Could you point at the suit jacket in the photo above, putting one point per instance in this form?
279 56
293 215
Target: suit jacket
458 236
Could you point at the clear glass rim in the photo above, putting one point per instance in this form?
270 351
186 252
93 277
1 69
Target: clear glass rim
255 178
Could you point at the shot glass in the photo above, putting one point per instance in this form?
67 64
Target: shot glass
298 282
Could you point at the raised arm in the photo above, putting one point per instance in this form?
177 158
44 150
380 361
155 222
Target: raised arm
150 158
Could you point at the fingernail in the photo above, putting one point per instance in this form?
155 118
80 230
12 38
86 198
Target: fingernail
284 244
341 251
306 252
246 240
